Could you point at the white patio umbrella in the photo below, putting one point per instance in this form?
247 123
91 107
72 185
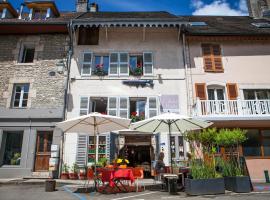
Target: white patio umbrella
94 123
170 122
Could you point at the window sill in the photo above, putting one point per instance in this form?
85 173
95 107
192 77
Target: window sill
213 71
10 166
23 64
112 77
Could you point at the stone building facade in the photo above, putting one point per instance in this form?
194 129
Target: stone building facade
33 78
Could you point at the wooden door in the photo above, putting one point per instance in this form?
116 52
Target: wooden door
43 150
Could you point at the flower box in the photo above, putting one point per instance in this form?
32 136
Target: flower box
239 184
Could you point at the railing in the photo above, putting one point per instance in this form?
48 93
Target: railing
232 107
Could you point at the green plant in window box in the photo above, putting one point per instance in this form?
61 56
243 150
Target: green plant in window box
135 118
99 70
138 71
16 159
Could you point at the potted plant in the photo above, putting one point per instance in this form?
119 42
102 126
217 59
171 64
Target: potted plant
83 173
73 175
203 178
138 71
136 118
99 70
65 174
232 171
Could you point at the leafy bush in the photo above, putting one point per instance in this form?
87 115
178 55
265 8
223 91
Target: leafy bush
203 171
65 168
230 138
229 168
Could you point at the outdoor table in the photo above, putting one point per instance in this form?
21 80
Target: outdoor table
115 178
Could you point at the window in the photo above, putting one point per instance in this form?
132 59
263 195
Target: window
88 36
27 54
212 58
153 107
119 64
136 65
137 109
98 104
257 144
40 13
101 67
13 147
148 63
86 64
20 95
257 94
84 106
216 93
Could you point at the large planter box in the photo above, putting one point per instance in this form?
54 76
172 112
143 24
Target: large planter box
239 184
204 186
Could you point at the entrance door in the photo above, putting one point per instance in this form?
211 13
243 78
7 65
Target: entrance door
43 150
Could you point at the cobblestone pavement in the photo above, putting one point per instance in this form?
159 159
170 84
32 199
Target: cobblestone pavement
36 192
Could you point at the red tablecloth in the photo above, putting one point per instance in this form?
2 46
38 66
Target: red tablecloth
120 174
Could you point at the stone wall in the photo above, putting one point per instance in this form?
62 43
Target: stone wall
46 90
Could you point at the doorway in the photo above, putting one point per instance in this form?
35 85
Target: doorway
43 150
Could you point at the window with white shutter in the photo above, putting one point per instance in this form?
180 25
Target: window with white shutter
123 107
123 64
152 107
112 106
84 105
86 64
81 151
113 69
148 63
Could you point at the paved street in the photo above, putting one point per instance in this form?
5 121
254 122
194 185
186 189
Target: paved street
36 192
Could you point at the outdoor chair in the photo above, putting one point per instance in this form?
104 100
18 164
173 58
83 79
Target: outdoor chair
138 175
90 177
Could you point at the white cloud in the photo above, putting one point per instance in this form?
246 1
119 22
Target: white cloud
219 7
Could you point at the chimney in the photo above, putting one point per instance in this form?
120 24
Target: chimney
257 8
93 7
82 5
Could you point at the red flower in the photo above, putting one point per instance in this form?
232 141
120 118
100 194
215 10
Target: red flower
134 113
103 113
139 65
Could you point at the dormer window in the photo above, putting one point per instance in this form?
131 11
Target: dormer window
7 10
40 13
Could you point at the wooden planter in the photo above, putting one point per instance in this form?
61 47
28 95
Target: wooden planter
239 184
64 176
204 186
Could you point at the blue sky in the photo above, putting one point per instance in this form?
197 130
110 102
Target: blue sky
178 7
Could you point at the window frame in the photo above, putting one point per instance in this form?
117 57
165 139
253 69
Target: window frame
84 109
22 54
261 138
22 92
86 63
157 109
212 57
148 63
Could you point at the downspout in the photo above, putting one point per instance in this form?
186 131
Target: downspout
66 99
184 54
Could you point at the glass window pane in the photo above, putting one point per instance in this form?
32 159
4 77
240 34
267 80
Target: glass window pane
172 141
17 96
123 68
16 103
148 68
26 88
123 103
123 57
266 133
13 148
152 103
25 96
114 57
83 112
97 60
211 94
249 94
266 146
112 112
152 113
112 103
220 94
140 106
86 69
106 64
148 57
18 88
123 113
133 62
113 68
84 102
87 57
251 147
261 94
24 103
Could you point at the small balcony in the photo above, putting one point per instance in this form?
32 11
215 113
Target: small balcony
252 108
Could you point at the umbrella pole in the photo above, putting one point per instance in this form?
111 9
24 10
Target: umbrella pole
169 124
95 160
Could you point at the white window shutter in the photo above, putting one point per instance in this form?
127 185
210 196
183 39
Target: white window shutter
114 62
123 64
82 153
84 105
86 63
153 106
148 65
112 106
124 107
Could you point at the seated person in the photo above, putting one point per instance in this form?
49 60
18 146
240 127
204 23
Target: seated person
160 165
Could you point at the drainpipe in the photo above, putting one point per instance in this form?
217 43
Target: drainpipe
184 54
70 53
